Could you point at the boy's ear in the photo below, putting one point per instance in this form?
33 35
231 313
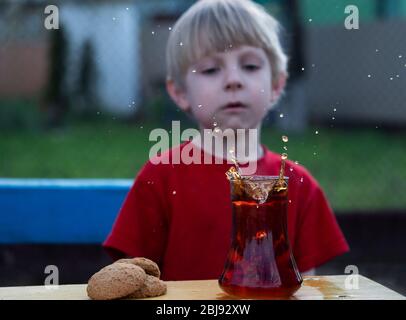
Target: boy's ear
178 95
277 88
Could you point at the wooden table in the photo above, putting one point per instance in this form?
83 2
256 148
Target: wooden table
313 288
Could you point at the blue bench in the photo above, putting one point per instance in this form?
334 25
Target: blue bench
59 211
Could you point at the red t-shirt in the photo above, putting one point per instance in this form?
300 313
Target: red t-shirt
180 216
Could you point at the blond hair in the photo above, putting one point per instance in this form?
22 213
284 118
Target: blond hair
218 25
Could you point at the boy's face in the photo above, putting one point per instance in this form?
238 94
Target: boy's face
230 89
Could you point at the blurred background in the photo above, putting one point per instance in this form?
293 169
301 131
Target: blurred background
77 105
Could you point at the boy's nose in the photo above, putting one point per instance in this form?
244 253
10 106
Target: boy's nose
233 80
233 85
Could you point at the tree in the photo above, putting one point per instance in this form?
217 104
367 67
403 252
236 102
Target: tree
86 81
56 98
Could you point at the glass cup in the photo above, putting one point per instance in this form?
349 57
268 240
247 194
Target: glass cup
260 263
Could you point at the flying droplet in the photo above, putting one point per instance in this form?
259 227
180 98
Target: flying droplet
313 65
391 78
376 50
181 43
193 71
314 153
174 192
127 9
310 20
170 28
281 115
369 76
333 118
316 132
285 138
400 56
302 69
199 106
215 124
334 109
114 18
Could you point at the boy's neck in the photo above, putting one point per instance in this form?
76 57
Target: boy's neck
247 147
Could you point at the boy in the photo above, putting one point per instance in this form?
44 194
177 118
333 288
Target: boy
226 68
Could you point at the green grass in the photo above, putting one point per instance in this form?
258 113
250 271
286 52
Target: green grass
359 169
97 151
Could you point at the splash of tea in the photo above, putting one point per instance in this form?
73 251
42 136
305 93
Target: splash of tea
257 189
281 184
234 172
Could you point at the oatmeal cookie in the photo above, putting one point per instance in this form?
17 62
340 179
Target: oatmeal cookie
149 266
152 287
116 281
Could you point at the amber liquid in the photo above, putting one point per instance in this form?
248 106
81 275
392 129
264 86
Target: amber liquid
260 263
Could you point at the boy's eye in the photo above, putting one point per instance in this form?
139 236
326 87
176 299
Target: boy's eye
251 67
210 71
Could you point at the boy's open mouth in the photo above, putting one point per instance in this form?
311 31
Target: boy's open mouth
234 106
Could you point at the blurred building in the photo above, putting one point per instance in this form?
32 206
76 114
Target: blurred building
356 76
128 54
351 75
113 30
23 50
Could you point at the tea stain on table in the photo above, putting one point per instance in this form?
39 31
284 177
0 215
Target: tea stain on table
326 288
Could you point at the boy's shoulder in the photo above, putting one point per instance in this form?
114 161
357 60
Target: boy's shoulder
163 162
